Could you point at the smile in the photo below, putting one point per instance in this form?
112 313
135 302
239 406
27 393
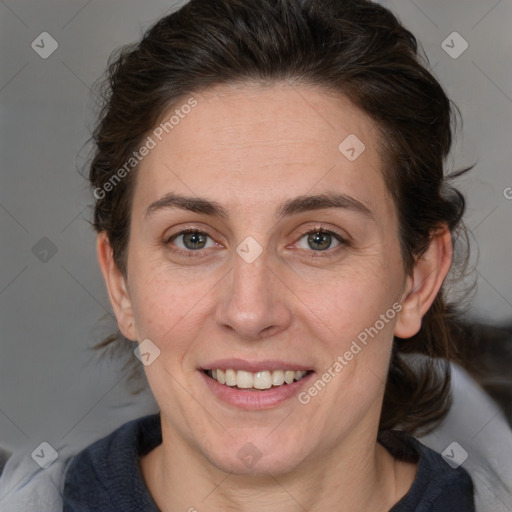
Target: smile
261 380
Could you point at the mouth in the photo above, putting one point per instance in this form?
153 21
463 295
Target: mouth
255 381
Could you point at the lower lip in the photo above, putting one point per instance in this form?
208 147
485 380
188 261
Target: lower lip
253 400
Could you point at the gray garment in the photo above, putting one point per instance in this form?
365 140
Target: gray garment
24 484
4 456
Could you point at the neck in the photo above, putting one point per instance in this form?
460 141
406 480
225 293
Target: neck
180 477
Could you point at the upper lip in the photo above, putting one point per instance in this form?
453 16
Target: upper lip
253 366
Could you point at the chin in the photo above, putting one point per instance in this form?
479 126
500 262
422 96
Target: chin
256 457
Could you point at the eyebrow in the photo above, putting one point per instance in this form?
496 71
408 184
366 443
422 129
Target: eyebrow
290 207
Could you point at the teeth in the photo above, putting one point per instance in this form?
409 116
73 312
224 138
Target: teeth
230 377
262 380
259 380
289 376
278 377
244 380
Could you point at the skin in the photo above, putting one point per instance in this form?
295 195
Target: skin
250 148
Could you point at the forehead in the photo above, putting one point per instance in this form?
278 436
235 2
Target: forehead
262 143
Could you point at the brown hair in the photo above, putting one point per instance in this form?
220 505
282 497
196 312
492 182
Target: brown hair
355 47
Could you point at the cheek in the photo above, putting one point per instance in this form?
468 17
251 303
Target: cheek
352 316
165 309
348 301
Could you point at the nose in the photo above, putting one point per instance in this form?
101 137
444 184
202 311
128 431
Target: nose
253 302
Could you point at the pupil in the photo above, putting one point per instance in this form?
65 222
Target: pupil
321 240
194 240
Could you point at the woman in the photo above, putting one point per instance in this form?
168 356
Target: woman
274 229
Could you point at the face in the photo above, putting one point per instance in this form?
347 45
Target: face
260 247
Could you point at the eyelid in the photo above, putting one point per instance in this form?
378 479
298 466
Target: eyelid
186 231
189 232
343 240
191 228
188 253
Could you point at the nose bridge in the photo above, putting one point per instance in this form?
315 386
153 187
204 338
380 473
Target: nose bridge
251 281
251 301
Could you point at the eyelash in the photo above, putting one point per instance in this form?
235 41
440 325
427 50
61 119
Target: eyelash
312 254
343 242
181 252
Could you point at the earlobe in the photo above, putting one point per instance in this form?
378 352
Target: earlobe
116 287
424 283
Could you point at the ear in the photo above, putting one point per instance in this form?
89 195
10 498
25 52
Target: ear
117 287
424 283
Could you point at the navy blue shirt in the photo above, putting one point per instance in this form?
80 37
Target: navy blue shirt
106 476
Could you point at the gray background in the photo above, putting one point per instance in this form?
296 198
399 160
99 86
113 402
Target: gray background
52 387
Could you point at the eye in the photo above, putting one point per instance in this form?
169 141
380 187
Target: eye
320 240
191 240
